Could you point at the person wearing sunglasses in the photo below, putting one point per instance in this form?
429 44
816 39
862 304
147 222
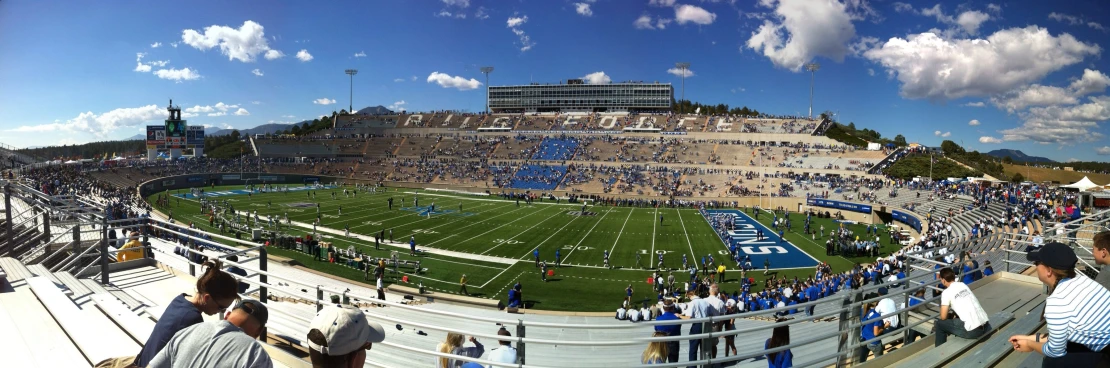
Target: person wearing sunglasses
216 291
1077 312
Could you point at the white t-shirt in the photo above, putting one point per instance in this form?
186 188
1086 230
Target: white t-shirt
886 305
960 299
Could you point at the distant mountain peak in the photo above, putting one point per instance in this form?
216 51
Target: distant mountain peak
375 110
1018 156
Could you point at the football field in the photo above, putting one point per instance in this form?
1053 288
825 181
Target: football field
494 240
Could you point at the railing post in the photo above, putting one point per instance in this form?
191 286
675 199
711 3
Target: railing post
104 251
705 350
319 298
520 336
262 278
1007 259
847 315
8 217
46 226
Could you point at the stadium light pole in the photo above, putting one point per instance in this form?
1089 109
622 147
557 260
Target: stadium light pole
351 72
486 70
683 67
812 68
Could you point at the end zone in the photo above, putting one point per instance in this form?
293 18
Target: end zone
780 252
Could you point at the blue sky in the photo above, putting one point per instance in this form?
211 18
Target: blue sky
1028 75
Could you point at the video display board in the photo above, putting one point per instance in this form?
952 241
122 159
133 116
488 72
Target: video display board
175 134
155 136
194 136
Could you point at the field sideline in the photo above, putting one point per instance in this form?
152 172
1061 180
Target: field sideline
491 226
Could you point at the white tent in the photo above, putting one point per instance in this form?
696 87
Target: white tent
1082 185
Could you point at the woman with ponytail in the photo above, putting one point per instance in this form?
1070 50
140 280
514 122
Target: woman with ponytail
1077 312
216 291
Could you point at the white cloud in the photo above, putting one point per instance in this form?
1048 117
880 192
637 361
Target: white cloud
413 78
514 24
103 124
257 72
174 44
288 116
242 112
456 82
975 104
1092 81
274 54
597 78
971 20
221 113
680 72
360 54
398 80
665 3
737 89
458 3
142 68
988 139
1074 20
973 122
803 31
323 101
304 56
516 21
871 72
693 14
155 45
256 102
481 13
218 107
1103 151
643 22
994 8
397 106
1062 124
945 134
936 68
177 74
583 9
243 44
158 63
903 7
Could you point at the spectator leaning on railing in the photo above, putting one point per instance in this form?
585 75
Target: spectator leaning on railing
1077 312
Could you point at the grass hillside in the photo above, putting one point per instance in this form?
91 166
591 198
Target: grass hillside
1039 174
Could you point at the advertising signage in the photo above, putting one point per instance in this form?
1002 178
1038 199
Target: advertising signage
155 135
907 219
845 206
175 133
194 136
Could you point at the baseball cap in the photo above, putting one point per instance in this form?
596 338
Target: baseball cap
1055 254
255 309
344 329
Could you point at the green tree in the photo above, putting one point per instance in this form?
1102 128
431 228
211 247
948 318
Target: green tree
1017 178
900 140
1008 160
235 134
951 148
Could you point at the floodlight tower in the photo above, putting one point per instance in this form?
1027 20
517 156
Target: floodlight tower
352 72
683 66
486 70
812 68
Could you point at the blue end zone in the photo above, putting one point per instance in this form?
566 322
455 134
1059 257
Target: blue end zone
781 253
220 193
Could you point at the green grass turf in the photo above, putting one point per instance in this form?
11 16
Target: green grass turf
500 228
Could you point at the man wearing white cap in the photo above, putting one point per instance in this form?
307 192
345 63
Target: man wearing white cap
340 335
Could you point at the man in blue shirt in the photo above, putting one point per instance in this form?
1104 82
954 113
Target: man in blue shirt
812 293
671 330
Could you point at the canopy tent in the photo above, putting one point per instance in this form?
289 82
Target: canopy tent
1081 185
71 162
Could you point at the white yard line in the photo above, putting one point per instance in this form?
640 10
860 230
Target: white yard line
426 218
687 235
491 230
525 256
622 231
495 278
654 225
587 234
523 232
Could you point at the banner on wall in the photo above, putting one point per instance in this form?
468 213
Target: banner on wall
844 206
907 219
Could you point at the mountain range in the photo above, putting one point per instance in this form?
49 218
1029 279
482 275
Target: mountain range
215 131
1018 156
